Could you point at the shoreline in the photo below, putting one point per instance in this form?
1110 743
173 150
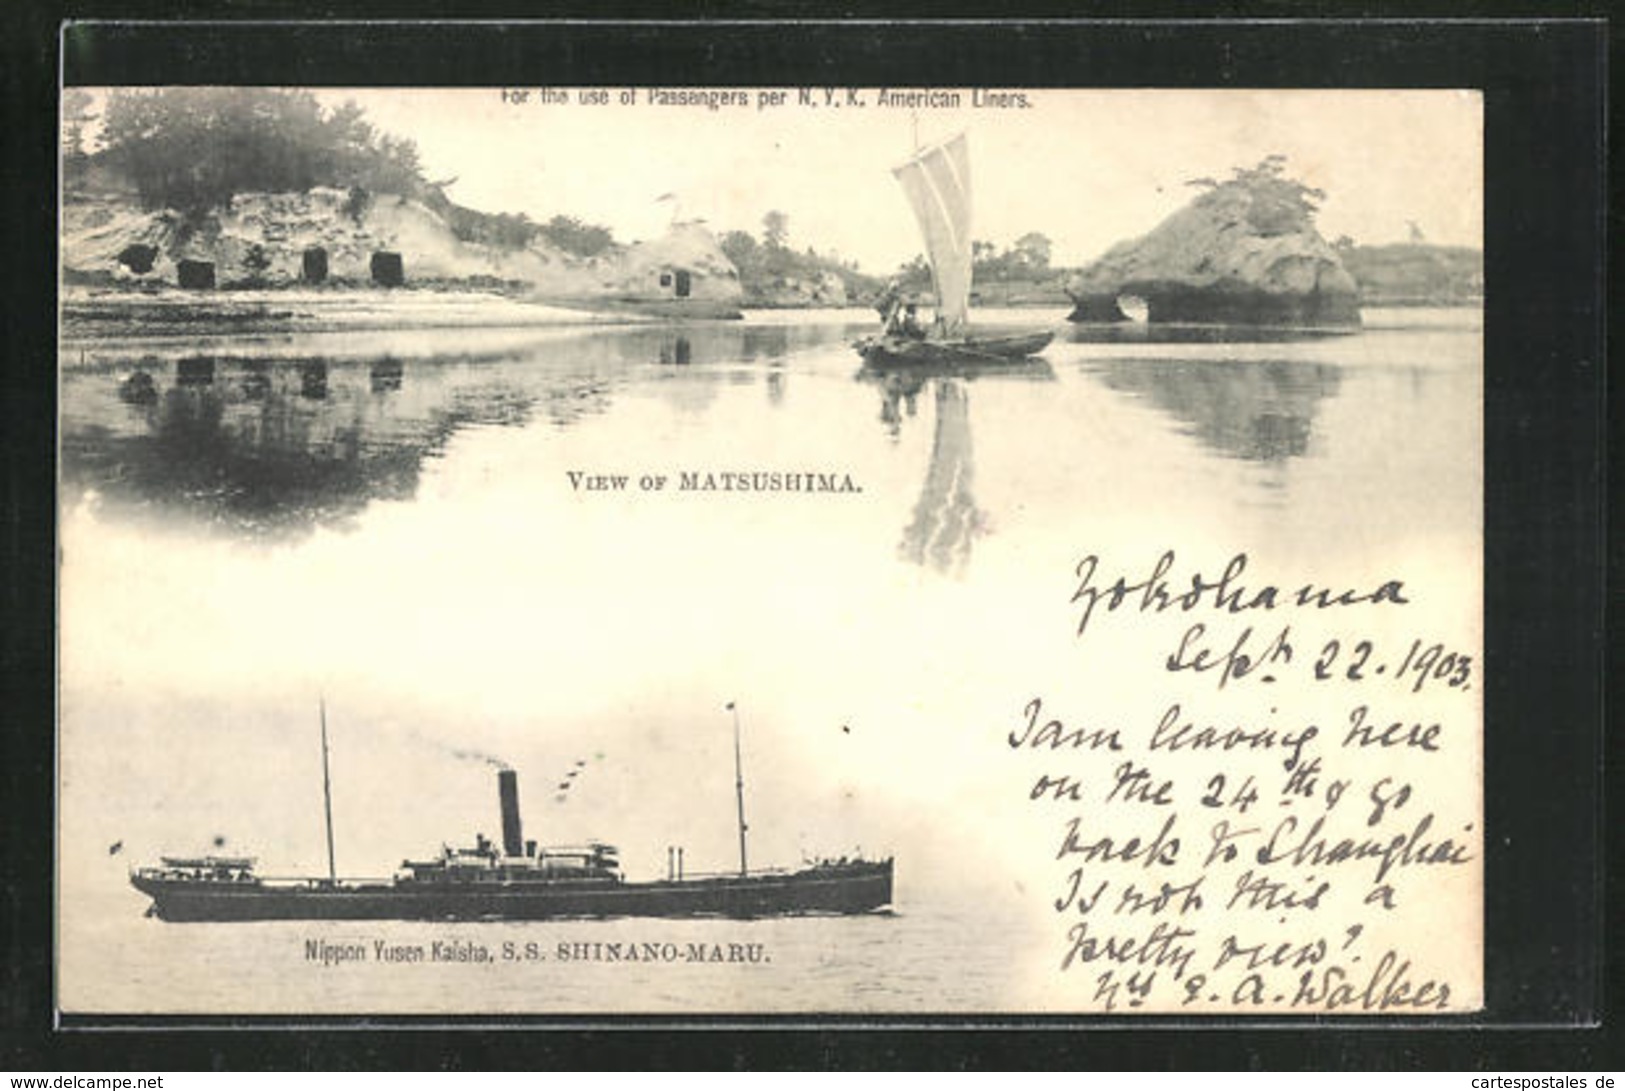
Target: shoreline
99 315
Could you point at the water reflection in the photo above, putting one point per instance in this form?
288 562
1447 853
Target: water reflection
195 371
386 375
255 380
313 380
1257 410
900 386
264 443
718 343
263 451
946 519
679 351
899 391
138 388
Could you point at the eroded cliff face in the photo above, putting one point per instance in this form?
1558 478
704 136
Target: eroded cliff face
332 237
684 263
1239 253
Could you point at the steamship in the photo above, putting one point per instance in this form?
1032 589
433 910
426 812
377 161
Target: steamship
516 880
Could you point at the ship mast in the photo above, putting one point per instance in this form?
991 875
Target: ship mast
739 789
327 799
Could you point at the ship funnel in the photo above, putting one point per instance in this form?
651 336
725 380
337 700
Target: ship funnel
513 843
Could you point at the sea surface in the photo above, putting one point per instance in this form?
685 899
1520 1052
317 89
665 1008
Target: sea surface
569 550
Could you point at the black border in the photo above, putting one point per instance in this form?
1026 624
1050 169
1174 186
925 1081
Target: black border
1544 526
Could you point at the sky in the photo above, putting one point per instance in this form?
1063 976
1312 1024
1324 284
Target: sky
1087 168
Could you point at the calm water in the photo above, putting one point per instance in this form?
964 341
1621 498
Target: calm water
389 522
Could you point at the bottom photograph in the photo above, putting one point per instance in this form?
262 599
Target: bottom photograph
510 878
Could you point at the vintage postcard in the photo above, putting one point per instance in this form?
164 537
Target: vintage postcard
629 550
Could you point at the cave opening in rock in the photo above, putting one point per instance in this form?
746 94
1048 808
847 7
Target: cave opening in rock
314 267
1134 308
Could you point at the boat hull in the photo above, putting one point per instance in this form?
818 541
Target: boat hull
832 889
907 352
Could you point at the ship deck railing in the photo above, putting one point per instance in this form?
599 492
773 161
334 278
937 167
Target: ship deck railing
247 878
828 865
317 883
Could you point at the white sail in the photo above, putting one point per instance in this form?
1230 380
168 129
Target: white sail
937 183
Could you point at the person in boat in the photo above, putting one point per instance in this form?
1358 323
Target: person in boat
910 326
890 306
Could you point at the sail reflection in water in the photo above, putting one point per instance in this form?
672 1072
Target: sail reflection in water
946 520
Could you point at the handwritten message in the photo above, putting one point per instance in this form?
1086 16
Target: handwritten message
1292 826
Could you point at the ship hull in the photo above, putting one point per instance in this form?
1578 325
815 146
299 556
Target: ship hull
838 889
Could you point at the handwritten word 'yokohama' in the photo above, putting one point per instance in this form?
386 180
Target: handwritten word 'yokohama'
1157 593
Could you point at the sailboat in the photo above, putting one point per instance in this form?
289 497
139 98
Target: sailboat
936 181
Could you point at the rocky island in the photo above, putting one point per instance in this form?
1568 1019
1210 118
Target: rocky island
1245 250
